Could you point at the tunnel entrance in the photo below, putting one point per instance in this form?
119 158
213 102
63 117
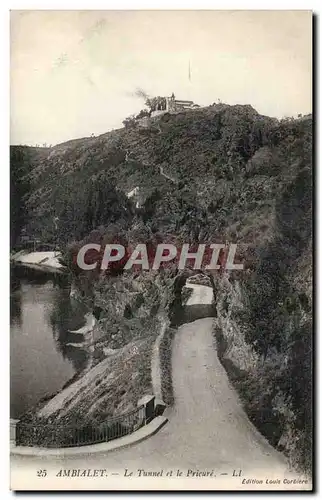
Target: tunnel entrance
181 311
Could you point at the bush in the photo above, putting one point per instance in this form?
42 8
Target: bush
130 122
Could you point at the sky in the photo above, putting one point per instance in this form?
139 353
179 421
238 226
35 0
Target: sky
75 73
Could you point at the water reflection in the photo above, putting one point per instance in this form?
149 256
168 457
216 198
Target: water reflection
41 315
68 315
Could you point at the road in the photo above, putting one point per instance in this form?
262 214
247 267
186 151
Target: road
207 428
201 294
167 176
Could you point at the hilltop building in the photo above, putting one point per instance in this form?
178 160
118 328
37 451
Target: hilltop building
171 105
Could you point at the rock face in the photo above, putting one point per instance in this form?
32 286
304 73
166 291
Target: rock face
74 291
272 373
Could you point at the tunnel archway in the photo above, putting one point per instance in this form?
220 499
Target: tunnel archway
180 311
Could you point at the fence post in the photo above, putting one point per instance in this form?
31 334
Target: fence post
13 423
148 407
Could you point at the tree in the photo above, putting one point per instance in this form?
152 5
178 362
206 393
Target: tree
20 165
129 122
143 113
155 103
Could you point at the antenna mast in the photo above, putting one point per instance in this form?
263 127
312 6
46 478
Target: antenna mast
189 78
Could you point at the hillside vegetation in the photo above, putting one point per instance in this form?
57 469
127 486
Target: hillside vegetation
208 175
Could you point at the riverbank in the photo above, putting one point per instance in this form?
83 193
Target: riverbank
104 389
109 387
47 261
117 348
122 354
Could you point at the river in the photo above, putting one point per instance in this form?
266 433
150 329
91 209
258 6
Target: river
41 315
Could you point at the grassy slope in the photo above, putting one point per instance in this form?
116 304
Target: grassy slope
230 163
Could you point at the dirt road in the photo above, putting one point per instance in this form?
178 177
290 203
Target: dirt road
201 294
167 176
207 426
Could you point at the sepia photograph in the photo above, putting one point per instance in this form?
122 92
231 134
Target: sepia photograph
161 199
